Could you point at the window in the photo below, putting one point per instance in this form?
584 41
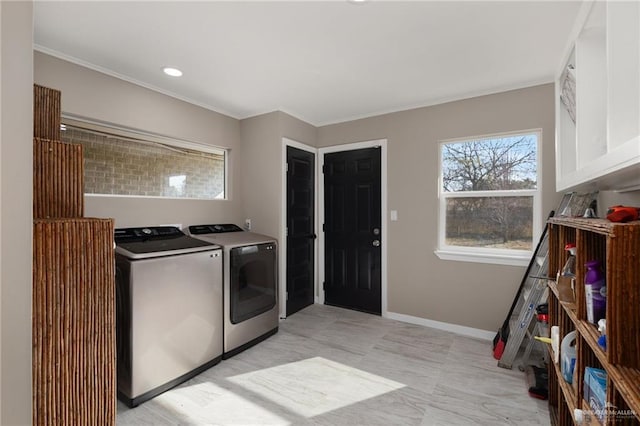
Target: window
489 198
126 163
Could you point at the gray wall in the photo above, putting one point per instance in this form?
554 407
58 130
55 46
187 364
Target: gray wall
98 96
16 171
607 199
419 283
262 166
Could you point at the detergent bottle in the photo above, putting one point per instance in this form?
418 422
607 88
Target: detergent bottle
595 292
568 356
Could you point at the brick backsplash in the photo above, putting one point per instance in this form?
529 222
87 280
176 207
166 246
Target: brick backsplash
124 167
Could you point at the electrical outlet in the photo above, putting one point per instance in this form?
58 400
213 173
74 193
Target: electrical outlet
247 224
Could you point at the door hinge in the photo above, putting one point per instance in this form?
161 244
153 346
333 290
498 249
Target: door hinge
286 167
286 232
324 285
324 168
287 295
323 228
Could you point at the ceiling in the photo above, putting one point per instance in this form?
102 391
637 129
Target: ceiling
323 62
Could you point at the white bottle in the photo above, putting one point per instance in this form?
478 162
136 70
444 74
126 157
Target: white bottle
582 417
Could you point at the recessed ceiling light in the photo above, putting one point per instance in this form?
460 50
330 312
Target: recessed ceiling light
357 1
173 72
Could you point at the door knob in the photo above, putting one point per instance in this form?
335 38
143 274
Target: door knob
376 231
376 243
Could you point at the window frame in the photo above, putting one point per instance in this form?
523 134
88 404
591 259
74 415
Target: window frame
152 138
511 257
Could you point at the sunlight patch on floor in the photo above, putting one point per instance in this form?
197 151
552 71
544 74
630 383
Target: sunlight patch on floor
208 403
314 386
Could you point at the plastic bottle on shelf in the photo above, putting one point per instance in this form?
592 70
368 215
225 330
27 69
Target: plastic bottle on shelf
569 268
582 417
555 342
602 328
568 356
595 292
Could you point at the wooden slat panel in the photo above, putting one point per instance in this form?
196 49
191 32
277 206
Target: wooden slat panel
46 112
74 352
623 290
58 179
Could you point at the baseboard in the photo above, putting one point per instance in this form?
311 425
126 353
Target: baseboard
453 328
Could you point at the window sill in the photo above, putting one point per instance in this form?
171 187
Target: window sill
496 259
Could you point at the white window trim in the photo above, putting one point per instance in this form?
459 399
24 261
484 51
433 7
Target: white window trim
480 254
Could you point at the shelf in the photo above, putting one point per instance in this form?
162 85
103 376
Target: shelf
567 389
617 245
569 307
627 382
590 335
599 226
553 415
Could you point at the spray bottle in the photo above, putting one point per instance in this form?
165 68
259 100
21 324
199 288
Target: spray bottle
595 292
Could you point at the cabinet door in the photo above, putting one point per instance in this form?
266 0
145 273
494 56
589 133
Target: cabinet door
623 57
591 88
602 147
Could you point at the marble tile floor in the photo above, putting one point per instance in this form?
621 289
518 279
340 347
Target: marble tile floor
332 366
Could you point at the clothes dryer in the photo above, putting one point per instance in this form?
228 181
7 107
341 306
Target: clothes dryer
250 284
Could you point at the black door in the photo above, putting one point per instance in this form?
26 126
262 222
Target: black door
300 228
352 194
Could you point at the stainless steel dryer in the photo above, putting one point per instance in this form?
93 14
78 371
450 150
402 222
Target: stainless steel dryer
169 310
250 284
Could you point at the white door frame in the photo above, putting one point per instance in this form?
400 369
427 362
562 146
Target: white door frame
382 143
282 274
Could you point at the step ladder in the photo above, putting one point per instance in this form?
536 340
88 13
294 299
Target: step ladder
532 342
534 292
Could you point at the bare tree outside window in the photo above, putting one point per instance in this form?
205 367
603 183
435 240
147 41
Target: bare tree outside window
488 187
492 164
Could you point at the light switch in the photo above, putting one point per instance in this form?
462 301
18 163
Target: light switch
394 215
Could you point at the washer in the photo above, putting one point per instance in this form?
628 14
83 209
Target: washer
169 310
250 284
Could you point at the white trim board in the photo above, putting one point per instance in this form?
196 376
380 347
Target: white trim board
382 143
282 260
445 326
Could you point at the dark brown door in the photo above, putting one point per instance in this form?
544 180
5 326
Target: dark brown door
352 194
300 228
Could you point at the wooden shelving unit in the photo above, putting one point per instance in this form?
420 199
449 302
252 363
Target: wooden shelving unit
74 336
617 246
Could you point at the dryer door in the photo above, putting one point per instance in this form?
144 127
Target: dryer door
253 281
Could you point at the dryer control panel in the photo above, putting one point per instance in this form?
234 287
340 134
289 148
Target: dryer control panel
214 229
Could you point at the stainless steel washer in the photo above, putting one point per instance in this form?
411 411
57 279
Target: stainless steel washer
250 284
169 310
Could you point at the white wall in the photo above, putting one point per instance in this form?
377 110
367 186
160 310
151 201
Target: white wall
16 223
94 95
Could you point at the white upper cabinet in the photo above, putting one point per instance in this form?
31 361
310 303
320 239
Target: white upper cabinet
598 100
